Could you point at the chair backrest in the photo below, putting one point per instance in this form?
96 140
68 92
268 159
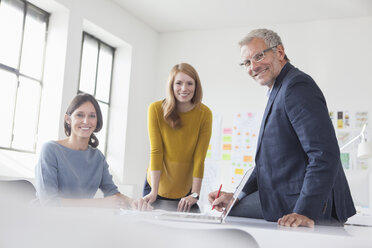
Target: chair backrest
21 191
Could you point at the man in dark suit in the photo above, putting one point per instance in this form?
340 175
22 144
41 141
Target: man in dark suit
298 178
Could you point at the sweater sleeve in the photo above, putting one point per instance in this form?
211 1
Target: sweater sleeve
46 176
202 144
156 141
107 185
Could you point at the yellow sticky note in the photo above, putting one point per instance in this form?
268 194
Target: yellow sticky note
210 147
239 171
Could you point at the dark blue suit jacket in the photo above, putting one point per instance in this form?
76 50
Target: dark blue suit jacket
298 168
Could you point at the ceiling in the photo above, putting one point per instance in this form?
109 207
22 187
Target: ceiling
183 15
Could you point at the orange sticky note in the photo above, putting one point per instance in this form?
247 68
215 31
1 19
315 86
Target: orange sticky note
247 158
226 147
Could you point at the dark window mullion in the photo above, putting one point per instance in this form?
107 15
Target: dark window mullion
109 100
46 19
18 71
15 149
97 65
81 60
112 71
23 36
10 69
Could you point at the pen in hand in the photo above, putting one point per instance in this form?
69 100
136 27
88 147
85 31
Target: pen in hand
218 194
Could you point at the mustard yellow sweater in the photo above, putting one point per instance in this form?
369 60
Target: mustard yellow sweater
178 153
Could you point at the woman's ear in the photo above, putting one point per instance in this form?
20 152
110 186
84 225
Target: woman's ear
67 119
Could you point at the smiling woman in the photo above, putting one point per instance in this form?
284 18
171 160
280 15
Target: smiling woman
179 129
70 171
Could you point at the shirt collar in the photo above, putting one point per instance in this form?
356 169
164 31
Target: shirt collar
269 91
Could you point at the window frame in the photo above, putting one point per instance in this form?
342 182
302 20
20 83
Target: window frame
16 71
113 49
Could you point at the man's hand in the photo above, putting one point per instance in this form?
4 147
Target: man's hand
220 203
295 220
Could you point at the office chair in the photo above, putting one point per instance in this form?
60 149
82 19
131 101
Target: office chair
20 191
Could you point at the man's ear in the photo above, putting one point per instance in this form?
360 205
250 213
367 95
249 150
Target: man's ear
281 53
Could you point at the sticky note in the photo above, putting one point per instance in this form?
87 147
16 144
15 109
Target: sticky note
247 158
239 171
227 131
227 139
209 154
226 147
226 157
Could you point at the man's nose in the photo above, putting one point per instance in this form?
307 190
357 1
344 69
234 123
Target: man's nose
254 65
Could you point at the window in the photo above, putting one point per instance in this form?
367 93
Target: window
23 30
95 77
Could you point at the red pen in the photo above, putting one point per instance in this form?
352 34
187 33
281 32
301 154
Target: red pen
218 194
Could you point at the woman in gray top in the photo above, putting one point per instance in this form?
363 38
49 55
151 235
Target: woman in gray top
70 171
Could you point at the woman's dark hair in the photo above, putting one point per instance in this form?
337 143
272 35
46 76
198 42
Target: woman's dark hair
76 103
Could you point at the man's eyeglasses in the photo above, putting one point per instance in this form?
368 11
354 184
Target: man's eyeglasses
256 58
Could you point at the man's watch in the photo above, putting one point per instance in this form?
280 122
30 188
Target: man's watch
195 195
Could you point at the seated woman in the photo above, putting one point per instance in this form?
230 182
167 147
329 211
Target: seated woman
179 128
70 171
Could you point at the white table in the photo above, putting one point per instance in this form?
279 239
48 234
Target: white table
57 227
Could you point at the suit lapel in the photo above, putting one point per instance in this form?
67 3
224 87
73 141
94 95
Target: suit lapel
274 92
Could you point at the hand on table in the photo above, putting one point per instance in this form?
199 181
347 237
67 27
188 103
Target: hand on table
140 204
150 198
294 220
186 203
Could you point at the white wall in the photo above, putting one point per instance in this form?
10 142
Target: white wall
335 53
